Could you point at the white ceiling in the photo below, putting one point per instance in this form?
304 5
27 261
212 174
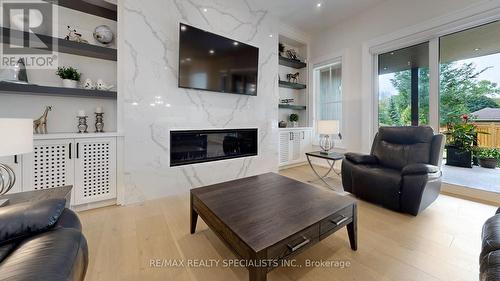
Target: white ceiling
306 16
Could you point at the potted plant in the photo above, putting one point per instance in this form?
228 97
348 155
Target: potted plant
69 75
294 118
488 156
461 137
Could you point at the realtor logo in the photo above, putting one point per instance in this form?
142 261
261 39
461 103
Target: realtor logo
27 33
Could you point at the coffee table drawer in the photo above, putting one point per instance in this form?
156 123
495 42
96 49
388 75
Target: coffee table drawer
294 244
337 220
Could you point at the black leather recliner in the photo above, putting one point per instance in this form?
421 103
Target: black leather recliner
402 172
41 241
489 259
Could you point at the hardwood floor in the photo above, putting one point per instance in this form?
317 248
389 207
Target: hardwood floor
442 243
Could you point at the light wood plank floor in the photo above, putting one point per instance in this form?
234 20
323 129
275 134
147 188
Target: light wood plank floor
440 244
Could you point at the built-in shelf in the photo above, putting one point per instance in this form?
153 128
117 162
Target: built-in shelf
292 63
64 46
30 89
294 107
105 10
55 136
295 86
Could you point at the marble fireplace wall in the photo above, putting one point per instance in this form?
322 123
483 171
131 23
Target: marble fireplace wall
152 104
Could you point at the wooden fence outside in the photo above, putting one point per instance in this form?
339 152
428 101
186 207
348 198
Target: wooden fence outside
492 139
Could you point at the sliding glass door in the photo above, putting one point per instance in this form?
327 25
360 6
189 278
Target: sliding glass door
403 86
469 79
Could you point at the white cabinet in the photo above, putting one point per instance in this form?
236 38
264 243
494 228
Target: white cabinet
14 162
95 170
50 165
88 164
293 146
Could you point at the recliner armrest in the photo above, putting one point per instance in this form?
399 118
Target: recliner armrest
25 219
419 169
361 158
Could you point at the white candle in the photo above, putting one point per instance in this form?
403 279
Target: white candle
98 109
81 113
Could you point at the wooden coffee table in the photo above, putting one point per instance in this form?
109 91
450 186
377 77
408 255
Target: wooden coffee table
271 217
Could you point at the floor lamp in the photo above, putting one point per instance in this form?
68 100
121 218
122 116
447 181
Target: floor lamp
16 137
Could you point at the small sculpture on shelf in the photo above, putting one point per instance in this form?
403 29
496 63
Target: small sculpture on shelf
40 124
287 101
293 77
292 54
82 122
99 120
282 124
74 36
103 86
103 34
88 84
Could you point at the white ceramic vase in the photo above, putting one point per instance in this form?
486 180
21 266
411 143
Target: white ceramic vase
68 83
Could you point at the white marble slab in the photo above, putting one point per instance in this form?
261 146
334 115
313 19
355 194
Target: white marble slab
153 104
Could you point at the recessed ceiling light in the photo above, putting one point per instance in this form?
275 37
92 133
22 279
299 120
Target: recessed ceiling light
318 5
211 52
235 43
135 103
270 35
152 104
477 49
183 28
167 105
205 10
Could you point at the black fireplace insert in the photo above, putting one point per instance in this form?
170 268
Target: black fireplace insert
197 146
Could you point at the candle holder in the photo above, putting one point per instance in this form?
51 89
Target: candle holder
82 124
99 122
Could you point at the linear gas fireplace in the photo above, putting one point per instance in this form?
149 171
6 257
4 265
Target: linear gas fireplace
197 146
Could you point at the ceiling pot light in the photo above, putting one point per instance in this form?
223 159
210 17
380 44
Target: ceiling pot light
318 5
205 10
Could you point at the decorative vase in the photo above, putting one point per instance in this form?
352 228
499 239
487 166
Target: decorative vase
458 157
68 83
99 122
490 163
82 124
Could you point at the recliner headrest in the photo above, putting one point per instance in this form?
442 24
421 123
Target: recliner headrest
406 135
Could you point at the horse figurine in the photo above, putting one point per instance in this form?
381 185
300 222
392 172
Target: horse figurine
293 78
40 124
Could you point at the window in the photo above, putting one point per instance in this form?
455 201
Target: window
403 77
328 92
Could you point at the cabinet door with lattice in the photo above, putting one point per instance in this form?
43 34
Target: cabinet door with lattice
49 165
95 170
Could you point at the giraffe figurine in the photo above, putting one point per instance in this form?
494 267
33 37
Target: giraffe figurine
40 124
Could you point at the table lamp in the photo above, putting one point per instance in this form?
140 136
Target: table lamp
325 129
16 137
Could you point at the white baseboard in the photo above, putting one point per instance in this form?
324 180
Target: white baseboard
94 205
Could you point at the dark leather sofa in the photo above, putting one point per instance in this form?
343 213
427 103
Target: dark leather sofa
41 241
489 259
402 172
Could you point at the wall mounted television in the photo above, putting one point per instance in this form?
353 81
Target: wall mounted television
215 63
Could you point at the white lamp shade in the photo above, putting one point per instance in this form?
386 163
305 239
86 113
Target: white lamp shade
16 136
328 127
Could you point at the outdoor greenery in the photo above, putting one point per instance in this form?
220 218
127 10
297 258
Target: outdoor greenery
487 153
461 92
463 134
68 73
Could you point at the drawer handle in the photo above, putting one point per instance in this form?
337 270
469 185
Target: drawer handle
341 221
300 245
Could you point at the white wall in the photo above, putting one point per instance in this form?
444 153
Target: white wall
349 37
148 61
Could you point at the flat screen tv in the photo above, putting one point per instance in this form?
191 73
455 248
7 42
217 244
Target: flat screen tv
212 62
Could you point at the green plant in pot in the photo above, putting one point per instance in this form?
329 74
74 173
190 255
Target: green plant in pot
294 118
69 75
488 157
461 137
